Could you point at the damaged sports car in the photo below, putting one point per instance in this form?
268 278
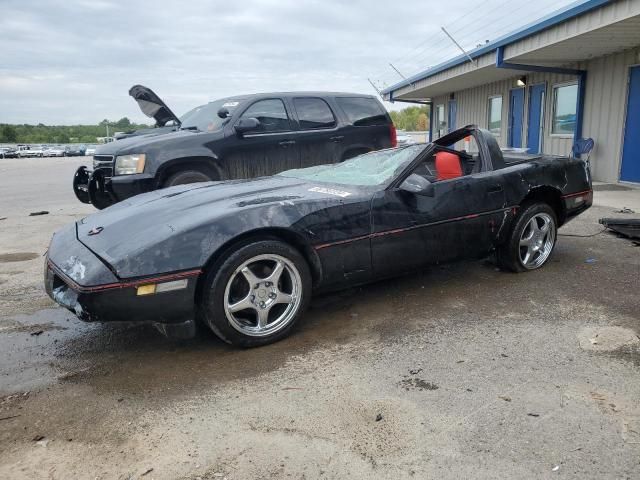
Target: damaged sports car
243 257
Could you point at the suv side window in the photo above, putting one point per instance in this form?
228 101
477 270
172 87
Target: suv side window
313 113
271 113
362 111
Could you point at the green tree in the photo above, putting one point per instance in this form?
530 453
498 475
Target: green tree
123 123
8 134
409 118
422 122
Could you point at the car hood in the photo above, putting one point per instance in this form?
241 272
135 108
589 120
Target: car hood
139 143
136 236
152 105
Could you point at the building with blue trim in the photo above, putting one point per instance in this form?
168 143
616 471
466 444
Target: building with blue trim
572 74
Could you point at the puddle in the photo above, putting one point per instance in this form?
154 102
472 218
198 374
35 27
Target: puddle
53 346
17 257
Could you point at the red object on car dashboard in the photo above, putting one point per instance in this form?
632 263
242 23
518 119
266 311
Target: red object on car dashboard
394 136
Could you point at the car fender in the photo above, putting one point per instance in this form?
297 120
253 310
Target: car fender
209 161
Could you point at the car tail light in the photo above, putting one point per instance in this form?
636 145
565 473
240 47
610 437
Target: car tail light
394 135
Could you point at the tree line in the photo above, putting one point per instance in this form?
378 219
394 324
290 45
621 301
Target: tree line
64 133
411 118
415 118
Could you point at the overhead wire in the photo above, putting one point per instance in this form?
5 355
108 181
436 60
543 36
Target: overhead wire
434 53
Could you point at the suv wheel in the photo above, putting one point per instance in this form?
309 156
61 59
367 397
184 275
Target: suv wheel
187 176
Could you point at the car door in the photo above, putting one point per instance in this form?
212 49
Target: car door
270 149
460 218
319 138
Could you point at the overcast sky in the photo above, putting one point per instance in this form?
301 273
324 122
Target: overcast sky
73 61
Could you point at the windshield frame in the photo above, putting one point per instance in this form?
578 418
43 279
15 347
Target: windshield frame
426 151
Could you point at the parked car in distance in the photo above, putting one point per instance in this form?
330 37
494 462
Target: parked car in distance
244 257
8 152
75 150
237 137
31 150
53 151
404 139
90 150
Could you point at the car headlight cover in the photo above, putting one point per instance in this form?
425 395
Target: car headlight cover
130 164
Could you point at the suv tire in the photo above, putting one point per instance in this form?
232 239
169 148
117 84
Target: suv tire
187 176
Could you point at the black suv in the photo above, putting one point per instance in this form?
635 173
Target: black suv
236 137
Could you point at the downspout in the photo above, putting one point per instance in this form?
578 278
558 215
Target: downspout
582 80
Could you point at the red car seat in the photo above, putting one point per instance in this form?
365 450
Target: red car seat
448 165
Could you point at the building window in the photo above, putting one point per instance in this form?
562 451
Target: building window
495 115
441 124
565 103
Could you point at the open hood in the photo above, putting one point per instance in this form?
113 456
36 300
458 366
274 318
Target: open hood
152 106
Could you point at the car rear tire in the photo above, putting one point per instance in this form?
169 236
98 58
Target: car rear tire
531 239
255 294
187 176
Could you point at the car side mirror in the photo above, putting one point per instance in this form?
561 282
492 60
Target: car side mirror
223 112
245 125
418 185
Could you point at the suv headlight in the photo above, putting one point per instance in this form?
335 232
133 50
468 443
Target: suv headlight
129 164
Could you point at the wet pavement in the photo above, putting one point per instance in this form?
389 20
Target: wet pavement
457 371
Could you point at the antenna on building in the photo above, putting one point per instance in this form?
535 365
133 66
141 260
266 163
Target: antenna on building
458 45
397 71
373 85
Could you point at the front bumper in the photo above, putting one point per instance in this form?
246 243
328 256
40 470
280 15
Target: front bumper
79 281
101 189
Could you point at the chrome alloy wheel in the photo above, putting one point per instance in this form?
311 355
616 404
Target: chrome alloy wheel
537 240
263 295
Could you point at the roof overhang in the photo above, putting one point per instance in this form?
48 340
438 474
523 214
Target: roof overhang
585 31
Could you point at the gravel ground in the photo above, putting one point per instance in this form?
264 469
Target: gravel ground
458 371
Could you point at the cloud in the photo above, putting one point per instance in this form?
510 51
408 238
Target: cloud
71 61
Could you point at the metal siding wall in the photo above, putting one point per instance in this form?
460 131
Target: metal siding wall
473 105
613 12
605 110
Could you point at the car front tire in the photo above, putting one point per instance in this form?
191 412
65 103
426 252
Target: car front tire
531 240
255 294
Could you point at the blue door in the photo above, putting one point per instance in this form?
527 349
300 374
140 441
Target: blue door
516 114
535 118
453 113
630 171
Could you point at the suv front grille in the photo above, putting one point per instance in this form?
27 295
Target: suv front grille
104 163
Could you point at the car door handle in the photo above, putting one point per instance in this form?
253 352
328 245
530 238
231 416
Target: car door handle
286 143
495 189
337 138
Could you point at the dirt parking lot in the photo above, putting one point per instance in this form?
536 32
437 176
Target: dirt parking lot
459 371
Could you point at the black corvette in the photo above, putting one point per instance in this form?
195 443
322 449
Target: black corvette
244 256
